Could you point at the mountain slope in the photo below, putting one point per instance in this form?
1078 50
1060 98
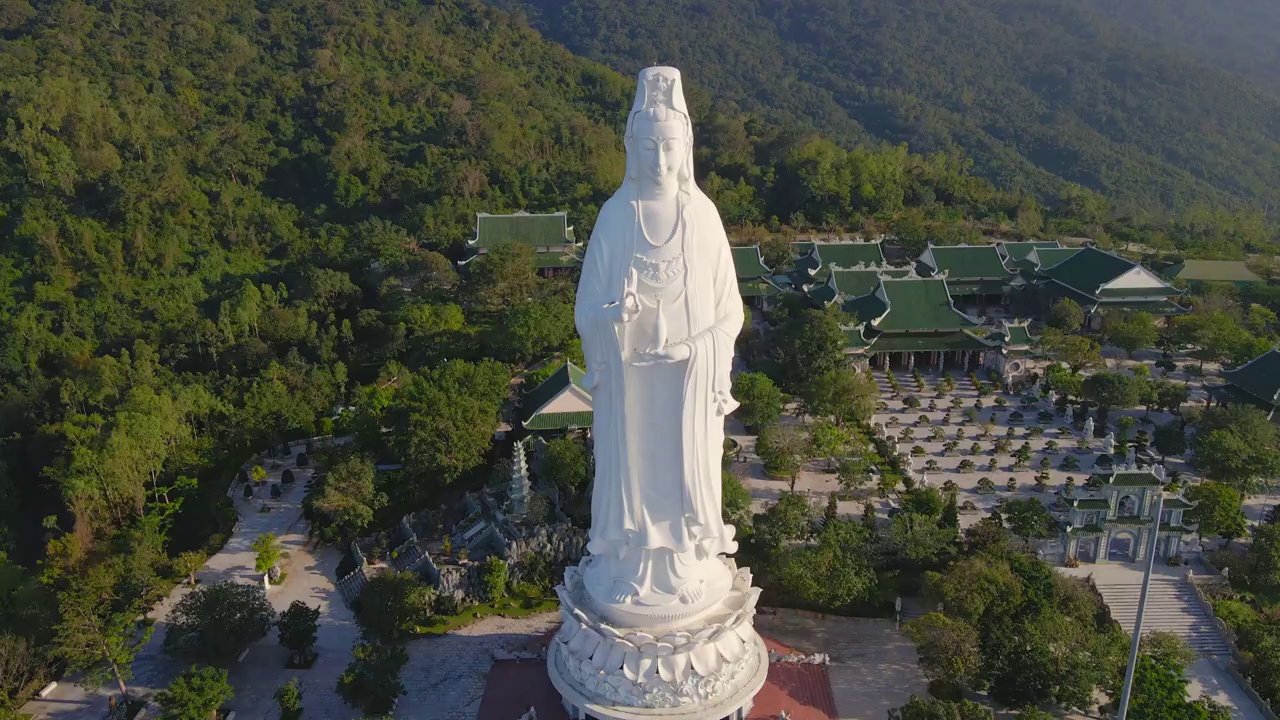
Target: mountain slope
1036 91
1240 36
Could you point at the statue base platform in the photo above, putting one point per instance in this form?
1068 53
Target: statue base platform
710 667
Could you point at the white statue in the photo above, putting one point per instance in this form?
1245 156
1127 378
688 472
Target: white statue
1088 427
1053 398
1110 443
656 616
1071 414
658 310
1131 457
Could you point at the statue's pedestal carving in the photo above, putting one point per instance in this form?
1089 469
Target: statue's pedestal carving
705 666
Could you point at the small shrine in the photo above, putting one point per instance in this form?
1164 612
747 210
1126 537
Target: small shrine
1111 519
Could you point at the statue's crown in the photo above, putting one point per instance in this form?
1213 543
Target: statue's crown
658 87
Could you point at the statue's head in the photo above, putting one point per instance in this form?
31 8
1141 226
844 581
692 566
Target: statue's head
659 136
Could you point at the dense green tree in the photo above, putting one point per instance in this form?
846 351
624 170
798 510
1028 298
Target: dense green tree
831 573
342 504
393 605
843 394
1113 390
298 628
785 521
530 329
1219 510
215 623
98 634
1029 519
566 464
1078 352
371 682
784 448
1236 444
948 648
1066 315
735 500
494 577
267 552
809 346
934 709
195 695
1263 557
1130 331
761 400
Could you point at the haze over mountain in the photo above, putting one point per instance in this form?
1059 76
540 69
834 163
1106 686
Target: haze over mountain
1036 91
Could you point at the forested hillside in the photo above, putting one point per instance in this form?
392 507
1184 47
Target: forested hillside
1242 36
1035 92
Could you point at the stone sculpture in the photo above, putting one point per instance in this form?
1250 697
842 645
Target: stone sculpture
1088 428
1131 457
1110 443
656 616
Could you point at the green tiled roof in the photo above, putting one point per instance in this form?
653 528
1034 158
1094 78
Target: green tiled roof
1177 502
548 389
539 230
920 304
760 287
856 283
1260 377
559 421
1129 478
866 308
1048 257
1088 270
1090 504
748 263
967 262
824 293
1014 335
978 287
1020 250
557 259
848 254
926 342
1213 271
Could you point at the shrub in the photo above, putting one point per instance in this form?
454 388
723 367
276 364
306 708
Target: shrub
196 693
917 450
985 486
494 577
1012 485
911 401
289 698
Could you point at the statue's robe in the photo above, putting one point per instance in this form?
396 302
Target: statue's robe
714 319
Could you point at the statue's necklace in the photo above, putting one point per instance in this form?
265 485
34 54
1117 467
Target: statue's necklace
675 226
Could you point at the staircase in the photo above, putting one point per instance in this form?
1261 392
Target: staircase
1172 607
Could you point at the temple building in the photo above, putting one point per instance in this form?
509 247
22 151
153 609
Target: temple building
1022 255
815 260
977 275
1195 273
756 281
1113 522
549 234
1014 355
559 403
1256 383
907 320
1100 281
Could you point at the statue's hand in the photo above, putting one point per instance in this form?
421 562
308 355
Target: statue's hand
667 354
626 309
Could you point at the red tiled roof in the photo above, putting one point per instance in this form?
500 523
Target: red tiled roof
803 690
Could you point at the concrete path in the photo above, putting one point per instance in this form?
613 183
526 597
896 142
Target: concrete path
873 665
309 572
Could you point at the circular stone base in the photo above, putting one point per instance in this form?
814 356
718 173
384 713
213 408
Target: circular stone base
731 705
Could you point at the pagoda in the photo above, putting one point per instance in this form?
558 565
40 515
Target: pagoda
556 250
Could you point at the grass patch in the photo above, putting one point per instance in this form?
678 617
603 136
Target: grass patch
512 607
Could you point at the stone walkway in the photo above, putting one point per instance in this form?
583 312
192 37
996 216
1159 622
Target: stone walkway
873 665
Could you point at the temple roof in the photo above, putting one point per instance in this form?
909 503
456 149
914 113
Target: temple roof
1045 258
1259 378
759 287
1212 271
1014 335
1100 274
749 263
1130 478
852 283
965 262
812 257
536 229
1021 250
918 304
561 402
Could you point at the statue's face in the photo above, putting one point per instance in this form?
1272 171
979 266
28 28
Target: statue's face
661 147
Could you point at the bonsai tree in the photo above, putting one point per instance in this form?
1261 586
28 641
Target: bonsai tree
917 450
906 435
957 403
1001 402
975 448
971 415
1036 431
1016 416
968 507
977 404
1012 485
992 465
937 433
1044 463
893 421
1069 463
1069 487
933 404
931 465
959 433
1124 424
985 486
1082 444
950 447
1002 445
966 465
1051 447
950 486
1010 432
987 429
911 401
1040 484
922 420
